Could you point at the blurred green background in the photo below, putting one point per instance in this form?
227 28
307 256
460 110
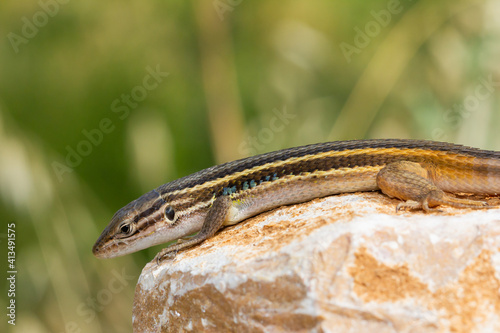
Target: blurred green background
90 119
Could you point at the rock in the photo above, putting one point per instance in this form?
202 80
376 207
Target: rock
345 263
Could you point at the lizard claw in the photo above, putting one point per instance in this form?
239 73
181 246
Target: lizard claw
165 254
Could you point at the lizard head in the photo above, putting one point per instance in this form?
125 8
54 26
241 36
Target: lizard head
145 222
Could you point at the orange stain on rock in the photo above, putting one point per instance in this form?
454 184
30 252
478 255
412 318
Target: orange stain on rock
461 302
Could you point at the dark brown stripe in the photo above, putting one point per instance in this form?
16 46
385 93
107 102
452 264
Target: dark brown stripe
157 205
219 171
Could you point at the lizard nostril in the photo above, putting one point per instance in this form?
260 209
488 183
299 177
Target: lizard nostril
95 248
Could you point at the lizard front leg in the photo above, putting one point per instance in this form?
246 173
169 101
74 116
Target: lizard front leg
218 213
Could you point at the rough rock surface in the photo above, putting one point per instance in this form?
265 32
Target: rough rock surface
346 263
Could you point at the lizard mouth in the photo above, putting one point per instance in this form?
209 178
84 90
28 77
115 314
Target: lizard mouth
103 251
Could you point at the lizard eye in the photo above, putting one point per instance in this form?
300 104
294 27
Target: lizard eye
170 214
126 229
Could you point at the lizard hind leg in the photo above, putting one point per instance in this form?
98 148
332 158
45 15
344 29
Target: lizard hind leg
410 182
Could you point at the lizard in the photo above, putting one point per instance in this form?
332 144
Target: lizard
422 174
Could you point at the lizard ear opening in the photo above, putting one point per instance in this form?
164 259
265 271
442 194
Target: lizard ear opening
170 214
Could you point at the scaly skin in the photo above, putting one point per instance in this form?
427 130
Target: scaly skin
418 172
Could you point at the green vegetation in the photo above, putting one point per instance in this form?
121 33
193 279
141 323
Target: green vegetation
102 101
